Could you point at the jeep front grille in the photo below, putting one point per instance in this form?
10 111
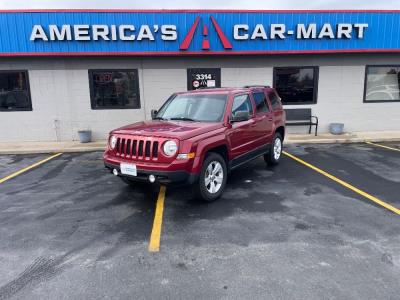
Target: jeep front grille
137 148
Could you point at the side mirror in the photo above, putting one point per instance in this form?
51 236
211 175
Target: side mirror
153 113
240 116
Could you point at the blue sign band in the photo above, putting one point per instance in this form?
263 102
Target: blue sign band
196 33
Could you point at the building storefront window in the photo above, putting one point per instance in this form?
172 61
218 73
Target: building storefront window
382 84
114 89
14 91
296 85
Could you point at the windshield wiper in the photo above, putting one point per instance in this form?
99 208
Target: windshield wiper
159 118
183 119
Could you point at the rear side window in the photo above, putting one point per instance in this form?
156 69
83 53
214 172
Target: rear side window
261 102
242 103
275 100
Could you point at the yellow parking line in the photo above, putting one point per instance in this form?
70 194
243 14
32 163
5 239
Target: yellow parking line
383 146
154 244
345 184
28 168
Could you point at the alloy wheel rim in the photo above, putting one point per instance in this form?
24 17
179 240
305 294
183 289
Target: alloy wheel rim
214 177
277 149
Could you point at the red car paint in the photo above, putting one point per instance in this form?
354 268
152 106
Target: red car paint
239 138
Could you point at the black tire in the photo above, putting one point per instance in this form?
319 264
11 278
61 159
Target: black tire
201 189
271 158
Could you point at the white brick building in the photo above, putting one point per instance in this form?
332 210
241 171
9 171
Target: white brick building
61 95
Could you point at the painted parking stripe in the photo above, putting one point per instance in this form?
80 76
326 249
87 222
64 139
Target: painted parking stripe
383 146
4 179
154 244
345 184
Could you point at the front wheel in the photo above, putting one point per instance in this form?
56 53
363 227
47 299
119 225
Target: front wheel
212 179
274 154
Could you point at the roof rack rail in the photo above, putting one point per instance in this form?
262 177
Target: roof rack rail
208 87
256 85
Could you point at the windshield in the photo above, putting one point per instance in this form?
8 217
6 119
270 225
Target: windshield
192 107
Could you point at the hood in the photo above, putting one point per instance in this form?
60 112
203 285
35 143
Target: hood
174 129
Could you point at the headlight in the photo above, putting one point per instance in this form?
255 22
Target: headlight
113 142
170 148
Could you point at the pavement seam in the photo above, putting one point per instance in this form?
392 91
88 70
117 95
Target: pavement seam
345 184
4 179
100 147
383 146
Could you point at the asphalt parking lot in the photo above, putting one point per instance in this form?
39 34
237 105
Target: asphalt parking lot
69 229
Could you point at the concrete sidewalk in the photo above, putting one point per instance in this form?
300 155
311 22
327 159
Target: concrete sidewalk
50 147
74 146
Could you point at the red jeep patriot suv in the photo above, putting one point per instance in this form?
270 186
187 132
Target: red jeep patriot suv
197 137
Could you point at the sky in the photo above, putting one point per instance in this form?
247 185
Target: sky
203 4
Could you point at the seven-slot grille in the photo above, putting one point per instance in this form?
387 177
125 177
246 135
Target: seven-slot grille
137 148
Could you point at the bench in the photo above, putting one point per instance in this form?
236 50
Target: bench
301 117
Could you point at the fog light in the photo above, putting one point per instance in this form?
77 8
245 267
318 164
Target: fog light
115 172
152 178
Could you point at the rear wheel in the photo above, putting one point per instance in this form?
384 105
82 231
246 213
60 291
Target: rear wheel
274 154
212 179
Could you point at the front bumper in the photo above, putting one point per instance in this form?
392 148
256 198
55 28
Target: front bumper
164 177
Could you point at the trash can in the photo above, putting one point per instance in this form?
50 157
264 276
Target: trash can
85 136
336 128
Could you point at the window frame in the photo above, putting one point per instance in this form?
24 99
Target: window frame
251 103
28 90
265 102
91 88
316 83
365 84
280 106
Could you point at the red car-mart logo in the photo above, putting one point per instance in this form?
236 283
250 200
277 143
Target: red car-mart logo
205 43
